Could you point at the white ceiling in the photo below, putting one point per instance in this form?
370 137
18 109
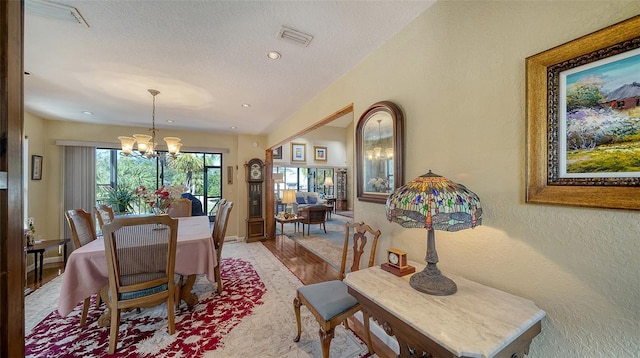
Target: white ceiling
206 58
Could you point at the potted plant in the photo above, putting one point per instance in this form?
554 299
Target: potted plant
119 198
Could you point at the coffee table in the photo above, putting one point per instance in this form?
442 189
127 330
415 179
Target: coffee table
282 221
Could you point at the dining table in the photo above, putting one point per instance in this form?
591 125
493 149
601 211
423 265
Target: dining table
86 270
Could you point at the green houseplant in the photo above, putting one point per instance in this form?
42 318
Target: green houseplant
119 198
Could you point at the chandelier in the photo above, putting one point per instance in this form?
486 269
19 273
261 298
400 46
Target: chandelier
146 144
377 152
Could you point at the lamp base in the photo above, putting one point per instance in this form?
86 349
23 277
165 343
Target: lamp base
433 282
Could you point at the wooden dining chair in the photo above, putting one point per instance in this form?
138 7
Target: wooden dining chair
104 214
141 255
82 227
329 301
219 232
180 208
82 232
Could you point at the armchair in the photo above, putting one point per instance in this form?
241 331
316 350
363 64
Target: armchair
313 215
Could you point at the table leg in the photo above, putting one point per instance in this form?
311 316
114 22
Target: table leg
105 319
185 292
65 254
41 264
35 262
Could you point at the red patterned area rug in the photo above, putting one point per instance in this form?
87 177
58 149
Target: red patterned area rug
145 334
252 318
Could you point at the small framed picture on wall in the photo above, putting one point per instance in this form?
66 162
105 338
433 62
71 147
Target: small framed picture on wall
277 153
36 167
298 152
320 154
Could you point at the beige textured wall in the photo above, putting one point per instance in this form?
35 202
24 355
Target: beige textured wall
37 189
458 73
325 136
350 145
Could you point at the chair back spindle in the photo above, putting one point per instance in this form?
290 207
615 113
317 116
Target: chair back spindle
360 231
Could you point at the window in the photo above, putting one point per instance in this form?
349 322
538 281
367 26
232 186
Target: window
304 179
201 172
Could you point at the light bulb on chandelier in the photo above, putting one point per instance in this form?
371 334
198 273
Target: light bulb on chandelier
377 153
146 144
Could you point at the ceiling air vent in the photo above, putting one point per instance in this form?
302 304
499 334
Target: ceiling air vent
295 36
54 11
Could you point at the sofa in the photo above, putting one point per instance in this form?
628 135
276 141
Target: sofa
304 199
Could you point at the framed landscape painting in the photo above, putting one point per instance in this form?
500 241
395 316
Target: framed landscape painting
583 120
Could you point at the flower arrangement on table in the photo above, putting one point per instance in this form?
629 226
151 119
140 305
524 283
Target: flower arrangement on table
160 200
379 184
30 232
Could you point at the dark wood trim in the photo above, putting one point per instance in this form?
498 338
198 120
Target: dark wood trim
270 225
12 256
332 117
398 157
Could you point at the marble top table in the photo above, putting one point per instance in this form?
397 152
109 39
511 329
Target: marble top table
476 321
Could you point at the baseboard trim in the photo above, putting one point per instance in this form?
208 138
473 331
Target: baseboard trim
47 260
234 238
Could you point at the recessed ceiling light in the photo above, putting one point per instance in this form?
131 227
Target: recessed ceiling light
234 127
274 55
170 121
87 113
246 105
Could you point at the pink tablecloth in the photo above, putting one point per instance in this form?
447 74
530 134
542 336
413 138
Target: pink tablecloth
86 270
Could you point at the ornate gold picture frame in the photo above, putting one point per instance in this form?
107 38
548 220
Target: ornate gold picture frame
551 107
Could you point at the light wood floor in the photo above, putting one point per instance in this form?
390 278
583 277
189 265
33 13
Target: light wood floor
308 267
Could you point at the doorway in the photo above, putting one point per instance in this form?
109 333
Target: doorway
344 114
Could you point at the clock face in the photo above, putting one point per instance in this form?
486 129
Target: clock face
256 173
393 258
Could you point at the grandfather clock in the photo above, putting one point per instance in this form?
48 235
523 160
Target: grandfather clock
255 179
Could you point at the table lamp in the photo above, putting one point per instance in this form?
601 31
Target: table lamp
328 182
434 202
288 197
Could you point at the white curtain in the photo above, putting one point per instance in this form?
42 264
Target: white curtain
79 181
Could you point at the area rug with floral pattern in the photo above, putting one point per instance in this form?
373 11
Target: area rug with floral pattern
252 317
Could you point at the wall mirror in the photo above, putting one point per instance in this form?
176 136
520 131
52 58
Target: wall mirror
379 152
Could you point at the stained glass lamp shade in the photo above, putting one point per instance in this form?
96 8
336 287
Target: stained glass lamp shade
434 202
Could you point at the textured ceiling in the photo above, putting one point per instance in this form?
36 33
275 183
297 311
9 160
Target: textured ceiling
206 58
